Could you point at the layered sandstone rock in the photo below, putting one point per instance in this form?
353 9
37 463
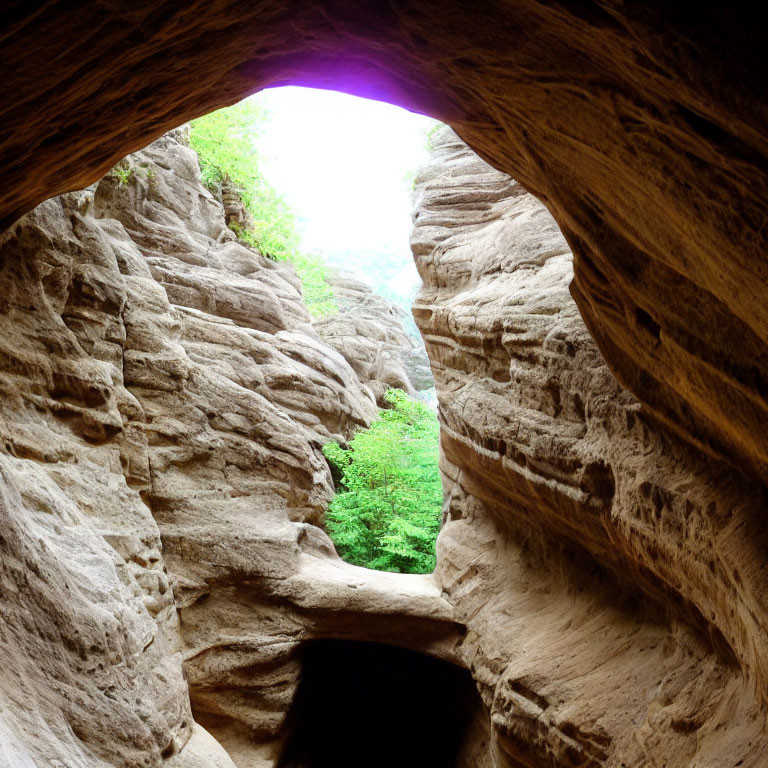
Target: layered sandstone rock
368 332
644 130
164 402
611 579
642 126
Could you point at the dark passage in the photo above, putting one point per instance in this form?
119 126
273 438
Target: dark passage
366 705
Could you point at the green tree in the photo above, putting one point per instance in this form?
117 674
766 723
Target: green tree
225 142
386 514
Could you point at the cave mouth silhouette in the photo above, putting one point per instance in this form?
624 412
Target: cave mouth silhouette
368 705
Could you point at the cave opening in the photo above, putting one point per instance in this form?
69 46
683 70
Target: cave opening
378 706
326 182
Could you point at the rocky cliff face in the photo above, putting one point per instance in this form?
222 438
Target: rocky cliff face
643 126
611 579
368 332
164 400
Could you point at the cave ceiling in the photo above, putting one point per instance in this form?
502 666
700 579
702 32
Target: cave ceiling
642 127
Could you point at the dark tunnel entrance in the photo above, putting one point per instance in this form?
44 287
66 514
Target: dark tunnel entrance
367 705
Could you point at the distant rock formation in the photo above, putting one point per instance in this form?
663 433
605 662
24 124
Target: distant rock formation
368 332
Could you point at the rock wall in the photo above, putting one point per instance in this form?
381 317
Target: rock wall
611 578
642 126
368 332
164 396
164 400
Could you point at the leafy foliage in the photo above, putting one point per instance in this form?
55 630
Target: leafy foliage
318 294
122 173
387 513
225 142
431 135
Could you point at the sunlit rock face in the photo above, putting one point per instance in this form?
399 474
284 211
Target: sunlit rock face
164 400
367 330
642 126
612 579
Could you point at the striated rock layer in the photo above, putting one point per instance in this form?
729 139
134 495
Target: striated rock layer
612 579
643 129
642 126
164 400
368 332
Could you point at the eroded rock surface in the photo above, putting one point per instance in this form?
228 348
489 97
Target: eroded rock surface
164 401
611 579
643 127
368 332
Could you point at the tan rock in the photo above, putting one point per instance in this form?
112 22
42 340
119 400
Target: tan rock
641 126
612 593
643 129
368 331
165 398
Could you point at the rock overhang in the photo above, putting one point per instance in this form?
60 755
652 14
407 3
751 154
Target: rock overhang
643 129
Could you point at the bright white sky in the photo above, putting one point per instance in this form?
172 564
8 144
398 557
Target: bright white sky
341 162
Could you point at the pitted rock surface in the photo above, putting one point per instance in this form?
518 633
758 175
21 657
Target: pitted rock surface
643 130
368 332
643 127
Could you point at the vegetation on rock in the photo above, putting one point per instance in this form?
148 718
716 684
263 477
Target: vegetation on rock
386 513
225 142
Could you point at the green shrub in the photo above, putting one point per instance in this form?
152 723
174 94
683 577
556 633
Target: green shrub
122 173
225 142
386 513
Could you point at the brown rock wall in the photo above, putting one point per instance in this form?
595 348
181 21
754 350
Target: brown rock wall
89 627
642 127
610 577
164 400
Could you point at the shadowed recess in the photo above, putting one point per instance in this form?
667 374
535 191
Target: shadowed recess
366 704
